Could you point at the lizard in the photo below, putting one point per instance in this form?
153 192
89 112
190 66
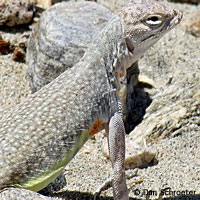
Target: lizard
40 136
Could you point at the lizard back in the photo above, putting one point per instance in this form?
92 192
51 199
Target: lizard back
43 133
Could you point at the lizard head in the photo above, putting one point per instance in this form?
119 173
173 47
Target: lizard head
145 22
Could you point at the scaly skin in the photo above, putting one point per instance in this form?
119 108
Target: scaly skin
42 134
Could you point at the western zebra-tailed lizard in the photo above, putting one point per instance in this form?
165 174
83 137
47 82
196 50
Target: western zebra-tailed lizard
43 133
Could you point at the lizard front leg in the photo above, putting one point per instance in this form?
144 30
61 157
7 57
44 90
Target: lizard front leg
116 144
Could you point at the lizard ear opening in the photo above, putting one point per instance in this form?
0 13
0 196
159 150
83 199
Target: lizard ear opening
129 44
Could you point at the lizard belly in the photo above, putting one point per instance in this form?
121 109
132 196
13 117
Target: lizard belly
45 177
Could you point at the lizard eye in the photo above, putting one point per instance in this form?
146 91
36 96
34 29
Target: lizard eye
154 20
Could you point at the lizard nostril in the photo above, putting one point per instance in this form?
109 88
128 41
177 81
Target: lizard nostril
178 16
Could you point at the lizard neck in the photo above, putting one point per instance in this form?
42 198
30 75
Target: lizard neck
111 50
111 53
117 57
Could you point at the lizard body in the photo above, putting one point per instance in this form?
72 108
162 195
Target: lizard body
43 133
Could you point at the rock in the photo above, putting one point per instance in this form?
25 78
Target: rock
14 193
194 24
61 38
113 5
145 82
4 46
14 40
14 12
44 3
18 54
187 1
137 156
195 27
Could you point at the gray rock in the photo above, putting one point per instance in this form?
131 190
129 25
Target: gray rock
14 12
61 38
187 1
113 4
194 24
16 194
